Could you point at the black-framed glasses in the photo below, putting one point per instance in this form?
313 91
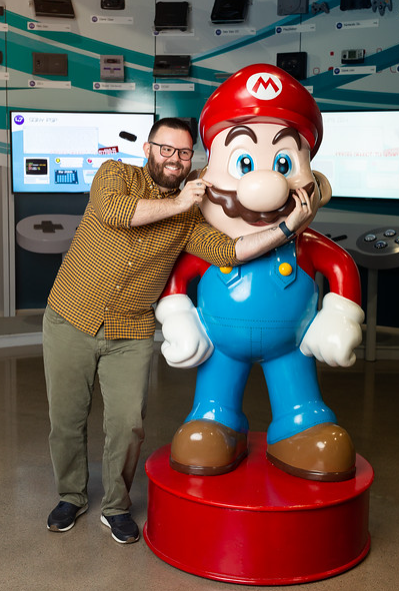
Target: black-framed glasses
168 151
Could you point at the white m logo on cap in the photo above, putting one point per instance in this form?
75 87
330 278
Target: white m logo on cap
264 86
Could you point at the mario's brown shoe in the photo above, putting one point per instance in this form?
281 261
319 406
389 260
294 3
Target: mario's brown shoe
207 448
324 452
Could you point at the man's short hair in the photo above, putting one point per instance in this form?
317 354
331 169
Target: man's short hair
172 123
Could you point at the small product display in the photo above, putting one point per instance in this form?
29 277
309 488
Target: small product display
171 66
171 15
225 11
113 4
320 7
287 7
381 5
294 63
54 8
352 56
50 64
111 67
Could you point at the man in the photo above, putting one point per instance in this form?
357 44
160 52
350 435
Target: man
100 319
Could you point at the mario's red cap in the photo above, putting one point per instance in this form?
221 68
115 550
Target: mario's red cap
262 93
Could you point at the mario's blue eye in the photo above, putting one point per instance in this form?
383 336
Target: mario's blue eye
240 163
282 164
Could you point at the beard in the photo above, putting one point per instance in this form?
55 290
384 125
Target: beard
156 170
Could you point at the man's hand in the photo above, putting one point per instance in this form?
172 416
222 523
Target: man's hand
192 193
254 245
305 209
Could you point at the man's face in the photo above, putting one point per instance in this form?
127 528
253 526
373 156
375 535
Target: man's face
168 172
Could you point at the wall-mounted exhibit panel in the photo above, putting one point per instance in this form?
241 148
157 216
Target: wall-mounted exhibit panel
338 77
93 33
107 28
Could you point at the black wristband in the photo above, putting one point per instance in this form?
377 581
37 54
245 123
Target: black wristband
290 235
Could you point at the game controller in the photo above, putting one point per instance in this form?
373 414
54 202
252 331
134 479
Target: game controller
47 233
382 5
322 7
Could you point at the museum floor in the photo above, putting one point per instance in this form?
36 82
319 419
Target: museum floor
364 397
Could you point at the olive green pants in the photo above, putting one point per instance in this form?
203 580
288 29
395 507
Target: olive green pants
72 359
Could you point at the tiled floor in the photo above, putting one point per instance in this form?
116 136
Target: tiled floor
365 398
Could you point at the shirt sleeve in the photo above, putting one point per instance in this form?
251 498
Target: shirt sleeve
212 245
115 192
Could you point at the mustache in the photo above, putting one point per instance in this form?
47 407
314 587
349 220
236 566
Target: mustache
233 208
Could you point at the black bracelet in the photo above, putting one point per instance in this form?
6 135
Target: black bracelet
290 235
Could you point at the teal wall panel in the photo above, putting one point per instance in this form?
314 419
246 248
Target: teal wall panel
216 52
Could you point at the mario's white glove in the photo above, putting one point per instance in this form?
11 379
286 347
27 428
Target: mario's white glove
335 332
186 342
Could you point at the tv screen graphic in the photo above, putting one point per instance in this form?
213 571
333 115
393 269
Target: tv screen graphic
359 153
60 152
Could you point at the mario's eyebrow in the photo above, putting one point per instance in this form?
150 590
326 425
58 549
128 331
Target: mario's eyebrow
290 132
240 130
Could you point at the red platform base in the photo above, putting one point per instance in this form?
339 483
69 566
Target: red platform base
257 525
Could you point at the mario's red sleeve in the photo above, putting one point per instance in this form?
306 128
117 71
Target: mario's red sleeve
186 268
315 253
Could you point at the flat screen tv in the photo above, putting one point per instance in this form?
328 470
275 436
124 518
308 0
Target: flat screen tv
359 153
60 152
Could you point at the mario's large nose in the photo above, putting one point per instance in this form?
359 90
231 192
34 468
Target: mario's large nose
263 190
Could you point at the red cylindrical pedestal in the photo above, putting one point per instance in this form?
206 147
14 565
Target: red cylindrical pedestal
257 525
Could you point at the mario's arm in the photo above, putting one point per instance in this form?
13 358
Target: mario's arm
186 342
186 268
336 330
315 252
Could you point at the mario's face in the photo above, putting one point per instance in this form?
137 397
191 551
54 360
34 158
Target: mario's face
254 168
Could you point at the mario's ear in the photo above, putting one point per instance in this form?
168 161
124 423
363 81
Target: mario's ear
324 187
196 174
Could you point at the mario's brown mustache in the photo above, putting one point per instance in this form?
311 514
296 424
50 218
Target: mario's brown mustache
233 208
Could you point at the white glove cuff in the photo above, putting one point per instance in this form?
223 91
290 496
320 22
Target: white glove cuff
171 304
336 303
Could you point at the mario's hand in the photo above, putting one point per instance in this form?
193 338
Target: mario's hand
335 332
186 342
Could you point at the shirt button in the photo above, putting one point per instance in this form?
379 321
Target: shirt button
129 263
106 309
118 287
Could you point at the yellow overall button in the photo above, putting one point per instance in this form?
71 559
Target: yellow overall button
285 269
226 270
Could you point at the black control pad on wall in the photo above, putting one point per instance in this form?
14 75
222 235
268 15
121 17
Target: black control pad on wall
381 240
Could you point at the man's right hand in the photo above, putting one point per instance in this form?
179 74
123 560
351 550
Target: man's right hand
192 193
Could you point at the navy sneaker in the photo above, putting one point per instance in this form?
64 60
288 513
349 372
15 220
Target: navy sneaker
63 517
123 529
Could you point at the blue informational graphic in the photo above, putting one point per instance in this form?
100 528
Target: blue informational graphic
60 152
359 153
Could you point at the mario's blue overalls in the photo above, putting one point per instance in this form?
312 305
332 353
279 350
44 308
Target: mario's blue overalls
258 313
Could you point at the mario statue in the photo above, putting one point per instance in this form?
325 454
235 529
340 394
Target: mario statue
260 129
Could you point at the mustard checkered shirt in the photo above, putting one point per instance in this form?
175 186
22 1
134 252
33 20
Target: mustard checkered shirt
113 273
